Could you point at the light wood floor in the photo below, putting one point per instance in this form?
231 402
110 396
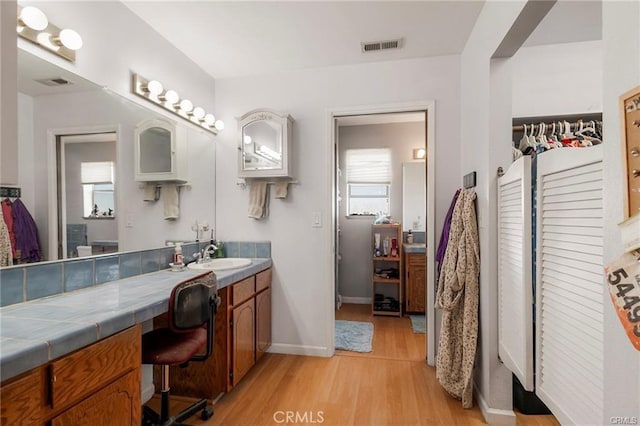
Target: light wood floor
390 386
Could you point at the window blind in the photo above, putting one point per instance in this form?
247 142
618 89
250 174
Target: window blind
368 165
96 172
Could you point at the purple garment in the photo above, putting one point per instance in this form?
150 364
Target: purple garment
26 233
444 237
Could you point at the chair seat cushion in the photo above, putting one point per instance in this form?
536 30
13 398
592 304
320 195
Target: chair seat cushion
164 347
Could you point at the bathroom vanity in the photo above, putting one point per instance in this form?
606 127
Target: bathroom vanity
415 265
81 364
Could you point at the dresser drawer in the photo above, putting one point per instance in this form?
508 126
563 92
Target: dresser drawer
243 290
263 280
83 372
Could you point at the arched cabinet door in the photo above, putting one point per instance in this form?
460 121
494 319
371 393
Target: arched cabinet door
244 343
263 322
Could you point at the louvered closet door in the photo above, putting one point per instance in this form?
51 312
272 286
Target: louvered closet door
515 295
569 299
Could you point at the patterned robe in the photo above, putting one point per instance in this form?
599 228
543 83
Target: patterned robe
458 297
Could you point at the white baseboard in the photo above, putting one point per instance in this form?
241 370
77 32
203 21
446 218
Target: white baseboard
283 348
494 416
357 300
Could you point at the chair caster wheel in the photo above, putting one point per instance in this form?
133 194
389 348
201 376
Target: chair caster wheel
207 413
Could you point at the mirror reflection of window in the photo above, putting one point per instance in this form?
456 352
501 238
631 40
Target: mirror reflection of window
262 142
97 189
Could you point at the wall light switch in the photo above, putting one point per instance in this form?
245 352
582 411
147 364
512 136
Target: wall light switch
129 220
316 220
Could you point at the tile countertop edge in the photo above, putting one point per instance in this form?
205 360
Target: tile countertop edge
134 293
415 248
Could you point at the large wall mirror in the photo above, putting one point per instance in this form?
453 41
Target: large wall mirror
414 196
76 167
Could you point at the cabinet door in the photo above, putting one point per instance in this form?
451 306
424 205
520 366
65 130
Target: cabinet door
416 283
263 322
21 400
243 345
117 404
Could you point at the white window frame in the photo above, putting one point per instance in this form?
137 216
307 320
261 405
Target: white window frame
387 197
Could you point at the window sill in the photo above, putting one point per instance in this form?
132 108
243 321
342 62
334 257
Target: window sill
98 217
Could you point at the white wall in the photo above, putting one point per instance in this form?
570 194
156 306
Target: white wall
301 305
25 164
100 108
355 271
8 95
483 150
621 36
558 79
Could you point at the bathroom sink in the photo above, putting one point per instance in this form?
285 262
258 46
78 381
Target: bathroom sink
221 264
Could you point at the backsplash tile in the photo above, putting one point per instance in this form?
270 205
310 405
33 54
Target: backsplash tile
150 261
37 280
11 286
107 269
44 280
78 274
263 249
130 264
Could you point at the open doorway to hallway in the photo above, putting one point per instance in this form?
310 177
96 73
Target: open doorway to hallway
381 294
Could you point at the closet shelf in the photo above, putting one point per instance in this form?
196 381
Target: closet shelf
386 280
387 258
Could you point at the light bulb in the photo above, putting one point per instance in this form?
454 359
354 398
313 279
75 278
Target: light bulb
247 140
33 18
171 96
70 39
186 105
198 113
155 87
210 119
219 124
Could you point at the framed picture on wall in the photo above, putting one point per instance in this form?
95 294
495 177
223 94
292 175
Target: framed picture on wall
630 113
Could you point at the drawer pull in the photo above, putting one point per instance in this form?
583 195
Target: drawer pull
635 173
635 151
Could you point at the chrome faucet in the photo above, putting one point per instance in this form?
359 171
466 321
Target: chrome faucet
207 252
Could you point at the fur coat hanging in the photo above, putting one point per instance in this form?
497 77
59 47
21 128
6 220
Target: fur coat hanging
457 295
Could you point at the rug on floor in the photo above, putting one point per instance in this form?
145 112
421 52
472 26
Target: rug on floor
354 336
418 323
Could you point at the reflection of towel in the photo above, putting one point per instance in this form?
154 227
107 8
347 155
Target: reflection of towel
258 199
171 201
150 192
282 188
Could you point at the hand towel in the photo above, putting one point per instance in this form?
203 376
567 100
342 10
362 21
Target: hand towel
282 188
150 192
258 199
171 199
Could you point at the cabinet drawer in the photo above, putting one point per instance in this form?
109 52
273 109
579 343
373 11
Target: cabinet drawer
243 290
83 372
21 400
416 259
263 280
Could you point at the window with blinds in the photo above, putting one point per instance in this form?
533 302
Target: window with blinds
97 189
368 174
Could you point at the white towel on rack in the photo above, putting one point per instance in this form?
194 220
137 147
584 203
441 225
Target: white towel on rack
150 191
258 199
282 188
171 197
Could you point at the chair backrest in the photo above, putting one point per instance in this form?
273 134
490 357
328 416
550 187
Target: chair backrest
191 301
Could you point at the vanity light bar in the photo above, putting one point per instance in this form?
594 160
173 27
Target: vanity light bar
154 91
34 26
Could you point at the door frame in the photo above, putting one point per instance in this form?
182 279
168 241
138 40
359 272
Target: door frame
332 114
52 171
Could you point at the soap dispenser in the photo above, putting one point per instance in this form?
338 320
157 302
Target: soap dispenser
178 258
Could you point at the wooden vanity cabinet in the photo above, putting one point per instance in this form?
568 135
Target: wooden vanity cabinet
98 382
415 282
242 336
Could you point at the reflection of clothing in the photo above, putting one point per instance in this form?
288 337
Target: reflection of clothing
6 258
7 215
458 297
444 237
26 233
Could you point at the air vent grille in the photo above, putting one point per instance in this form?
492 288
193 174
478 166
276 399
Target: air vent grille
374 46
56 81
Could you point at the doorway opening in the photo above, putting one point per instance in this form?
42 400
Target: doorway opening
86 194
381 173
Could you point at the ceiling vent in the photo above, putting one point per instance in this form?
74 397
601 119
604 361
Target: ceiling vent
57 81
374 46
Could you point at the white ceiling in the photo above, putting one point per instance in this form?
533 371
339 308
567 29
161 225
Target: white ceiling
233 38
32 68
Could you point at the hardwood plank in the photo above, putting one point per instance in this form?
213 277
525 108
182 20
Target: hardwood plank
392 385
